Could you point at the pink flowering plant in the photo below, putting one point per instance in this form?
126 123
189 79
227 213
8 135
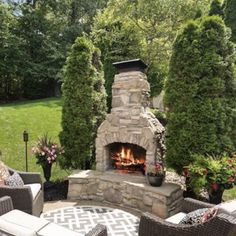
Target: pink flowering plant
156 169
212 173
46 151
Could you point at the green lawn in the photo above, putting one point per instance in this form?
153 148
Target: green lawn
37 117
229 194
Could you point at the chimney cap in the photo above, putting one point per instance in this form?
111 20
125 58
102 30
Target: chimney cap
130 65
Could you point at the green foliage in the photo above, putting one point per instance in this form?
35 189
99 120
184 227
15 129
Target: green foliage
35 36
10 56
211 173
199 92
142 29
42 62
216 8
161 116
116 41
84 104
230 17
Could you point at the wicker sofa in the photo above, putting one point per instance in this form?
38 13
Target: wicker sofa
18 223
22 197
221 225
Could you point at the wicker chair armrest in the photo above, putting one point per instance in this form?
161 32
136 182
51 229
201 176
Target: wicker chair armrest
190 204
5 205
153 225
28 177
22 197
221 225
229 222
98 230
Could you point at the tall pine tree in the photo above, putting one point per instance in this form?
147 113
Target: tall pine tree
230 17
216 8
198 90
84 105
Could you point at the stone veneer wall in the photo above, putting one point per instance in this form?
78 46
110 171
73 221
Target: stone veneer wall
129 120
131 192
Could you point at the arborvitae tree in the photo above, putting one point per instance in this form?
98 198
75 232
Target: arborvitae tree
84 104
216 8
198 91
230 17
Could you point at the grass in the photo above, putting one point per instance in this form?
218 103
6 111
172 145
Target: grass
37 117
229 194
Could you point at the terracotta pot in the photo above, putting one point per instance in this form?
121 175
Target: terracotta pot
155 180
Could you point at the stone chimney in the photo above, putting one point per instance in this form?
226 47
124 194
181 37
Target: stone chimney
130 120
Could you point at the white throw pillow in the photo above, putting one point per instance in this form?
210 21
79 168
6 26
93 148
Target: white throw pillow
175 219
24 220
14 180
228 207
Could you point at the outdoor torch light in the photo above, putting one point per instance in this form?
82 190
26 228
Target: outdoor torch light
25 139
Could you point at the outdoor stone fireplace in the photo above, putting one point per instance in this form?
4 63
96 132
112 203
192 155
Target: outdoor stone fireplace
128 141
129 124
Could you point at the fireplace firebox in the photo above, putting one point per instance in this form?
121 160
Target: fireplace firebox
127 158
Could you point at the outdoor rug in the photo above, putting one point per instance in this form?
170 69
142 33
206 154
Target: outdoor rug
84 218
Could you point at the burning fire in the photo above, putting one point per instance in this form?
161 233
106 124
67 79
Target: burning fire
125 159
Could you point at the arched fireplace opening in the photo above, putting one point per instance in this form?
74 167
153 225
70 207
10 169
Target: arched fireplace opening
127 158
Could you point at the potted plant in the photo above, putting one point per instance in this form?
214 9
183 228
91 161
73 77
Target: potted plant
155 174
46 152
214 174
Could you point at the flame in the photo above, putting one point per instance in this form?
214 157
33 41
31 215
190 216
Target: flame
125 158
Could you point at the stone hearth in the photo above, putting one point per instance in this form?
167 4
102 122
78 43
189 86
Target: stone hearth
133 192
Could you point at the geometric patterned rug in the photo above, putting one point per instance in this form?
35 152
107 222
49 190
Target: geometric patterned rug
84 218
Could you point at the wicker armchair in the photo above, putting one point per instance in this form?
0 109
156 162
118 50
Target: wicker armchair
22 197
6 206
221 225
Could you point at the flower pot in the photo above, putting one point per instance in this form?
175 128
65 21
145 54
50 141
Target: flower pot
47 167
155 180
215 195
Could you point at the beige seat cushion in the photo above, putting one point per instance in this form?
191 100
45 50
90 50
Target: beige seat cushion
228 207
20 223
176 218
25 220
4 173
14 229
35 188
54 229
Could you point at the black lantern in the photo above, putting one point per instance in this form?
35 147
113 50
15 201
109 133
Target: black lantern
25 136
26 139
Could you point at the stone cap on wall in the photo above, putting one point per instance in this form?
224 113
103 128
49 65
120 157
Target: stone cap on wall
130 65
